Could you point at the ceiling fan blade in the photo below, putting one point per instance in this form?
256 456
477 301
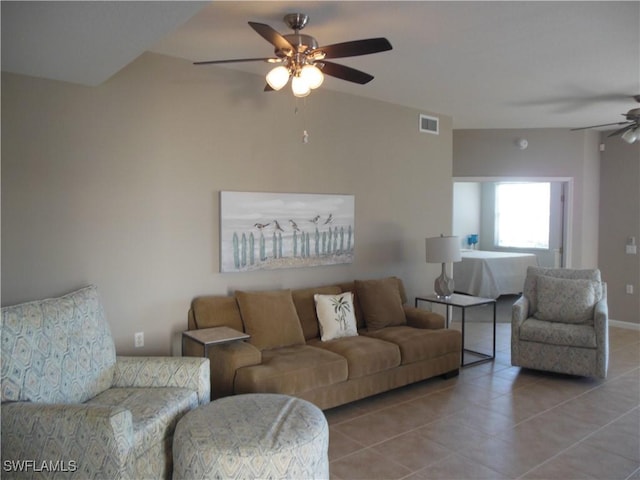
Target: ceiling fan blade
234 60
355 47
596 126
346 73
622 130
273 37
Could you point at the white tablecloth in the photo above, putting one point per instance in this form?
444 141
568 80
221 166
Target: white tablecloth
491 274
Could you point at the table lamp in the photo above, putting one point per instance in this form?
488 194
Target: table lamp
443 250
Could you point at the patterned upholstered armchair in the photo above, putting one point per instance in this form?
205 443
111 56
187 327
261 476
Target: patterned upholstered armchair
560 323
72 409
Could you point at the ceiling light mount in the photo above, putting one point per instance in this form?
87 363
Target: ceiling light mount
296 21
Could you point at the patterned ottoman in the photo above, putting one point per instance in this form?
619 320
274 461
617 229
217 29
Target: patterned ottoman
252 436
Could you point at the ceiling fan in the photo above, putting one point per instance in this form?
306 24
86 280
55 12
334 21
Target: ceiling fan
299 57
630 132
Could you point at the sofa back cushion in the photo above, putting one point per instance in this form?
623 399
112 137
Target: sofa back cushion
351 287
215 311
381 302
303 299
57 350
530 289
401 289
270 318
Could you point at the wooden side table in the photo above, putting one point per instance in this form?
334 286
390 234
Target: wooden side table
463 302
206 337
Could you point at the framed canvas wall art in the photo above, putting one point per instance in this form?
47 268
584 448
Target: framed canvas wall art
285 230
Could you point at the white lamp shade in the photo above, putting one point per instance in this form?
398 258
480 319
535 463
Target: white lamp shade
443 249
312 75
278 77
300 87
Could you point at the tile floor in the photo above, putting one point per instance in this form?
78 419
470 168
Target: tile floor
495 421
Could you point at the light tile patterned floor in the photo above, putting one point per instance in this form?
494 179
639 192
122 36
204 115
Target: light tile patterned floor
496 421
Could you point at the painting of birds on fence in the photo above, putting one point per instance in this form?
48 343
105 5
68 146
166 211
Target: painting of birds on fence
285 230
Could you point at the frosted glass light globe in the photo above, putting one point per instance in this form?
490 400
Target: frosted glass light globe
300 87
312 75
631 136
278 77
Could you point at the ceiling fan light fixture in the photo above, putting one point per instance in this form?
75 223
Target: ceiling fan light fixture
278 77
632 135
297 54
300 86
312 75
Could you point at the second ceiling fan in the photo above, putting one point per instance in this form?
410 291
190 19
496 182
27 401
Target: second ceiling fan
299 57
630 131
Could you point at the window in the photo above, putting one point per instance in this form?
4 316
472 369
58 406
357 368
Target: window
522 214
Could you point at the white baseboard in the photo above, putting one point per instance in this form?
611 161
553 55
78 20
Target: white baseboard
627 325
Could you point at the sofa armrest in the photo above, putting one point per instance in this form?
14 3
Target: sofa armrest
183 372
226 359
90 441
419 318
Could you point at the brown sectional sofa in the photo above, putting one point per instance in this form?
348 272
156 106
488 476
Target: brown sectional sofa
395 345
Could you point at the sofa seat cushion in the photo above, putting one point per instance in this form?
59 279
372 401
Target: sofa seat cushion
418 344
291 370
554 333
365 355
154 411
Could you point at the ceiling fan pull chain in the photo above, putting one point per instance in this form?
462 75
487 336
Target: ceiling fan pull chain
296 110
305 133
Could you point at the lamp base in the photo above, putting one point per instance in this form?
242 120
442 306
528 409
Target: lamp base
443 285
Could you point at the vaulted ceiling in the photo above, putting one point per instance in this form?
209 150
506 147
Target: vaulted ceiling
487 64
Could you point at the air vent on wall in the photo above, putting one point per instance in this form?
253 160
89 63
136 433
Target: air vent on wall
429 124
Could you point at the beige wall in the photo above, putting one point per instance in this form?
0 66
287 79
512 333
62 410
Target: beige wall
555 153
619 220
118 185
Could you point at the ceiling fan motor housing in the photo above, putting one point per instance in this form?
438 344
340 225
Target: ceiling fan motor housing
302 42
